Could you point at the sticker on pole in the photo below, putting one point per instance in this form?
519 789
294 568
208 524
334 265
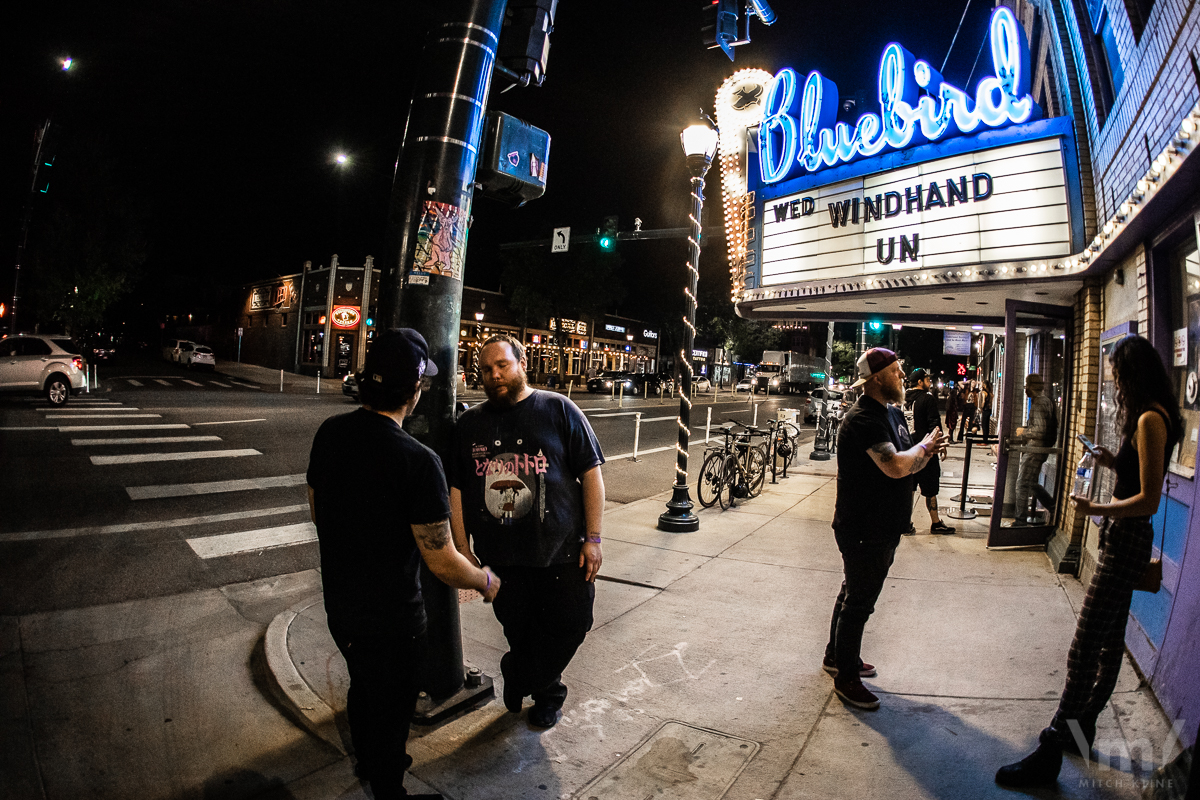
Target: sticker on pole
560 240
514 158
441 243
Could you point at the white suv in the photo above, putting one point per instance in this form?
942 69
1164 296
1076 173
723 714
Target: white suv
32 364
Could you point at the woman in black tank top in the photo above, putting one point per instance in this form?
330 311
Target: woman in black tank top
1150 427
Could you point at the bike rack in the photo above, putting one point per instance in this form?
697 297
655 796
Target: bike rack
962 512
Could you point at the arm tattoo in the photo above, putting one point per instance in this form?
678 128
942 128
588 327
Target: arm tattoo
434 536
919 462
885 450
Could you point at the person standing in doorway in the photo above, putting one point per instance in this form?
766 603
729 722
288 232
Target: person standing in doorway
1150 428
876 462
375 523
952 406
925 420
526 491
1041 430
968 412
985 408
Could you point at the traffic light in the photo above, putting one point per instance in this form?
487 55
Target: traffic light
719 24
43 162
525 38
608 234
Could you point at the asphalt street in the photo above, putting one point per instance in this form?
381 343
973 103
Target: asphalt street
163 481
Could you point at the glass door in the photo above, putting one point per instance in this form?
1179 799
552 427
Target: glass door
1029 469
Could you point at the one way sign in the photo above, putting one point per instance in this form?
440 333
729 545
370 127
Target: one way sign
562 238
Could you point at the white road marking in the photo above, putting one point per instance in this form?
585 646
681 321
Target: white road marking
134 382
631 413
28 536
142 458
247 385
160 380
610 459
229 544
193 383
89 408
218 383
107 416
148 427
229 421
211 487
32 428
147 440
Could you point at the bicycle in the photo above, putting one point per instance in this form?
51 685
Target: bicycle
828 427
783 442
735 470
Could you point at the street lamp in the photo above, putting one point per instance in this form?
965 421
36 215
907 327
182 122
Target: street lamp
699 146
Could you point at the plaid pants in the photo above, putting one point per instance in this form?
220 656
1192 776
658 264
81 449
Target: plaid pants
1094 660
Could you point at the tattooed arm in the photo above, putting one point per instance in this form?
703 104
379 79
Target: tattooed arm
909 462
448 564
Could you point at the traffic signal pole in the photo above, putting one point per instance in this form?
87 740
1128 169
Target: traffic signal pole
421 282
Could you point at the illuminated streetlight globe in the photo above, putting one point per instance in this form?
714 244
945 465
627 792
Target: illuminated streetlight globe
66 64
342 158
699 140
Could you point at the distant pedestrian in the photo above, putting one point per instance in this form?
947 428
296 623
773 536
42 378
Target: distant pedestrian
526 489
985 408
876 462
952 406
970 404
925 420
1150 427
375 523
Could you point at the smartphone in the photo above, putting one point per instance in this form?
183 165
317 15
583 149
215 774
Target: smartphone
1091 448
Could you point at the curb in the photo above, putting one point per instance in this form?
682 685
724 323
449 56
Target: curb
289 687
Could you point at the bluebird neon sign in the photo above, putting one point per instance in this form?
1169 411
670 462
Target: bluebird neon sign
908 116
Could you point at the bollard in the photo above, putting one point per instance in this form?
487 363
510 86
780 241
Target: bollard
660 394
613 393
318 381
281 381
637 432
754 424
621 397
708 425
569 386
87 380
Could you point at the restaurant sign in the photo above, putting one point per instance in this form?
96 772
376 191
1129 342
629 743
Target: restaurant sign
346 316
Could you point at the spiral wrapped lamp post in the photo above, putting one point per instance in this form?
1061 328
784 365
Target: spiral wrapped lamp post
699 145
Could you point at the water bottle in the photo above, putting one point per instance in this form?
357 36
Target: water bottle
1083 474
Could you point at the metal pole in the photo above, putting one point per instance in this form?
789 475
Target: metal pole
708 425
318 381
569 385
637 432
422 270
281 381
679 516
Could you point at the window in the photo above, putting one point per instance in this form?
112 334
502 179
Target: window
69 345
1185 369
1111 72
283 321
33 347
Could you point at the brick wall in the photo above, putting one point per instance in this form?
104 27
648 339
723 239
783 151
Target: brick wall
1085 378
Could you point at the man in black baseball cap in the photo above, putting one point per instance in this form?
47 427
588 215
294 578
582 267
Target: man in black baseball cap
375 523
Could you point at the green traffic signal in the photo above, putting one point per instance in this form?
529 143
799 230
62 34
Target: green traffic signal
607 243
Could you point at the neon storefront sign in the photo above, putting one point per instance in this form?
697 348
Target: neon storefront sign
346 316
815 140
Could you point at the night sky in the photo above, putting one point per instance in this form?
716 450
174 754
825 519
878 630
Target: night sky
219 120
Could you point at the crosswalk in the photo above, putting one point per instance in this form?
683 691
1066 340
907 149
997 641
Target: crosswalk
154 448
170 381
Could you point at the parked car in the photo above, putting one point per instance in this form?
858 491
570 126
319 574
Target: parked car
821 401
50 365
702 384
607 380
350 385
199 357
172 348
103 353
649 383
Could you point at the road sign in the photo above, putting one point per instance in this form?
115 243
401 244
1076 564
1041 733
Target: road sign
560 240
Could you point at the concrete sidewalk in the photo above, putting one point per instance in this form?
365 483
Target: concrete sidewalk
702 676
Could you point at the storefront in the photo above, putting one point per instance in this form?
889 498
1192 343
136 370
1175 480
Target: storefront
1051 211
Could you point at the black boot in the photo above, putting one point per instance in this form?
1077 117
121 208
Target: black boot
1039 768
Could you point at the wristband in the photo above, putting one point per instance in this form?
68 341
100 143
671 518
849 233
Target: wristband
924 449
593 539
489 580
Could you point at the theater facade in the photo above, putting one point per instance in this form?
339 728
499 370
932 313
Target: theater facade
1052 206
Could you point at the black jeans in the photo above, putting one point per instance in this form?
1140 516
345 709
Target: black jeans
546 613
384 683
866 563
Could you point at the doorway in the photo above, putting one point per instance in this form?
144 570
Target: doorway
1029 468
343 354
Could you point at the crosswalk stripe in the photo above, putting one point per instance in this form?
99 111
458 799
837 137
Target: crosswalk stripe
147 440
63 533
222 385
146 427
211 487
134 382
160 380
610 459
106 416
230 421
228 544
143 458
247 385
89 408
193 383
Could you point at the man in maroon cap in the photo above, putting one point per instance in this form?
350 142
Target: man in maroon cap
876 462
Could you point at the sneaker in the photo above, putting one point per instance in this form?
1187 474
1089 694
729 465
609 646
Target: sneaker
855 694
865 670
513 700
941 527
544 715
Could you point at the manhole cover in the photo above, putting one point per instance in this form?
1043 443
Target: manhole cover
676 761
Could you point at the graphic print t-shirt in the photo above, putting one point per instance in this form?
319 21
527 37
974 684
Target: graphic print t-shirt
518 470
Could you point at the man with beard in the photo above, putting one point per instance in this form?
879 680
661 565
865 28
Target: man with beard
525 486
876 461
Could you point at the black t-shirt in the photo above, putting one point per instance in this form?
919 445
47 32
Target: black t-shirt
925 414
372 482
518 470
869 503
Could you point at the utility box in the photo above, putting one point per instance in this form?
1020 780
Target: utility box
515 154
